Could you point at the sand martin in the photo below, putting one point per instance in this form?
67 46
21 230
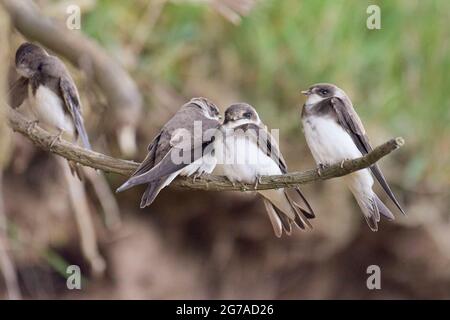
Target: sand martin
178 140
52 93
335 133
247 151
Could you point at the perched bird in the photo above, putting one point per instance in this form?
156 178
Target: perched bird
52 93
178 139
247 151
334 133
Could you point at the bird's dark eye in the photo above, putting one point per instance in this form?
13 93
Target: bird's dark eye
248 115
323 92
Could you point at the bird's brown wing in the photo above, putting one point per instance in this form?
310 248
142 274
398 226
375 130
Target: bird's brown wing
159 162
149 160
350 121
18 91
71 99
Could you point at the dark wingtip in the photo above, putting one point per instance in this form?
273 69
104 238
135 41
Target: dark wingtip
372 223
123 187
309 215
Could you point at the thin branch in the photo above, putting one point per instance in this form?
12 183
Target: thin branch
96 160
83 218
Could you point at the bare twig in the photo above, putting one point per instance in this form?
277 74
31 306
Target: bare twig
88 238
96 160
106 198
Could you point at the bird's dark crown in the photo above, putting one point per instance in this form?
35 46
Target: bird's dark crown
207 106
26 51
324 90
239 111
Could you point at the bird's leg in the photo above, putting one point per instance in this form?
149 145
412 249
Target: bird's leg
231 181
342 164
243 186
196 175
257 182
320 167
56 138
31 125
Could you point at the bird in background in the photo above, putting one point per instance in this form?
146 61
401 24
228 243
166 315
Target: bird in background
177 139
335 133
51 92
245 152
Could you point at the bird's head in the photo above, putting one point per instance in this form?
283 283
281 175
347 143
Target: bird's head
209 109
240 113
28 59
322 91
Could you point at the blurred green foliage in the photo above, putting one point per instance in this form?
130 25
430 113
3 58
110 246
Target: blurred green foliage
398 77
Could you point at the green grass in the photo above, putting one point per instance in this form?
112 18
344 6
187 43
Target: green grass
398 77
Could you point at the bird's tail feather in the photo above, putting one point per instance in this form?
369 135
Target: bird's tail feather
283 211
301 220
155 187
370 210
134 181
75 169
381 179
150 193
279 221
81 131
383 209
299 201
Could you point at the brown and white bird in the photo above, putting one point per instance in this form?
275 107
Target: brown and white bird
245 152
335 133
178 149
51 92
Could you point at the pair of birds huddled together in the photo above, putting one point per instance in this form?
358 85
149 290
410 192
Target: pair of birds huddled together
240 147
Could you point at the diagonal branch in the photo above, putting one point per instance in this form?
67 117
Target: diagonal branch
96 160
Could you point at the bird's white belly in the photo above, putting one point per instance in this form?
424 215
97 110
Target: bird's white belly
241 160
49 109
329 142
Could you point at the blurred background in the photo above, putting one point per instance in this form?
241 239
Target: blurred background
198 245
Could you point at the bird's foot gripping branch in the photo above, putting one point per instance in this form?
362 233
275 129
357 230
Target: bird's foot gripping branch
96 160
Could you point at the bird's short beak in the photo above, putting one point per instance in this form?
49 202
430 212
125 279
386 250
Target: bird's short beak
306 92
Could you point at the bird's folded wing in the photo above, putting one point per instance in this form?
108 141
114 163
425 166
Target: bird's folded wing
72 103
149 160
18 92
350 121
172 162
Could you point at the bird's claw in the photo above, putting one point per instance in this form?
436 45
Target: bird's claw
257 182
321 167
232 182
342 164
196 176
55 139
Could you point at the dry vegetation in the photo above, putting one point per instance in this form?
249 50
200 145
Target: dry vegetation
198 244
